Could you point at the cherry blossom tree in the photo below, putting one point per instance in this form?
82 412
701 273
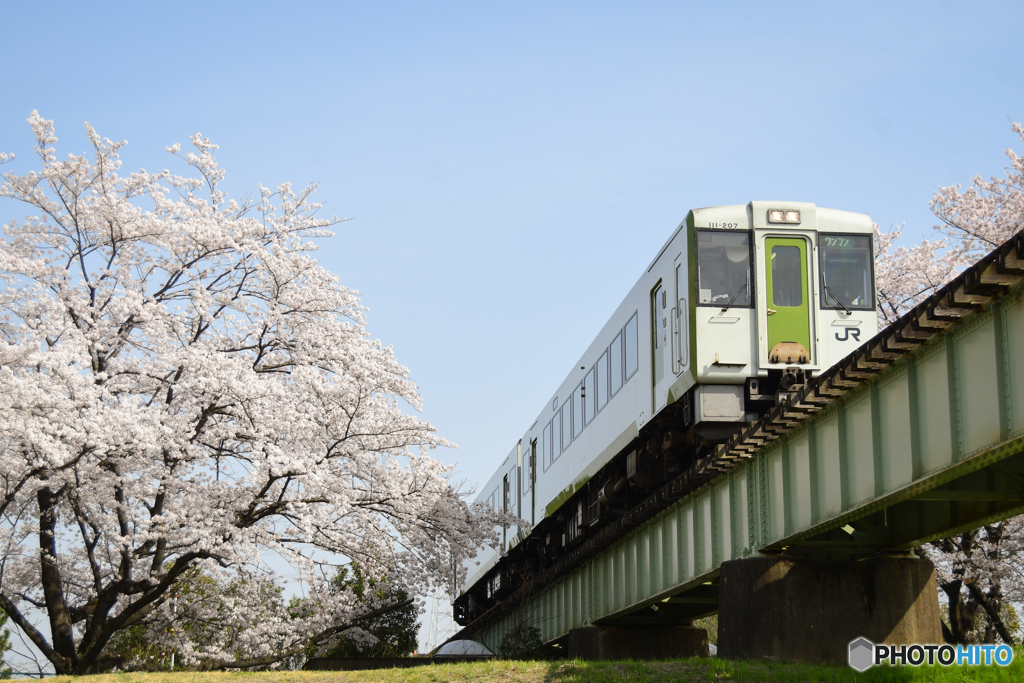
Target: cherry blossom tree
907 275
979 572
986 214
973 222
183 388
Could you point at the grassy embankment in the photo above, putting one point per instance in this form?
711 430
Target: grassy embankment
569 671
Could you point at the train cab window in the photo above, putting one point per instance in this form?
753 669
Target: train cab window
846 272
632 360
615 367
601 387
723 268
566 423
787 279
577 411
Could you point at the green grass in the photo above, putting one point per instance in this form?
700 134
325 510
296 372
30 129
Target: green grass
576 671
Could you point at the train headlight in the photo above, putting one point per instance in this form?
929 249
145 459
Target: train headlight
783 216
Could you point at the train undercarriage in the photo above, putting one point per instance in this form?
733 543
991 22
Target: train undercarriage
664 449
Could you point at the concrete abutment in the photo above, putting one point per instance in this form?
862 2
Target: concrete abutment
806 610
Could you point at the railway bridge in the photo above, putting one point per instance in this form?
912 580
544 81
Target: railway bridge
799 532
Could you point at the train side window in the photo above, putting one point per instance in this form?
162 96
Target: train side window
567 423
723 268
846 271
590 396
545 447
577 411
632 361
601 388
556 436
615 356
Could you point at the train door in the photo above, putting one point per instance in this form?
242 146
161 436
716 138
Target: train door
787 298
506 500
533 482
661 349
519 480
680 316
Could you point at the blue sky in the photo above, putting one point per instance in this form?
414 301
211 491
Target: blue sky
511 168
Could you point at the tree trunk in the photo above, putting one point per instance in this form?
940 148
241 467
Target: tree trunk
959 622
991 606
62 637
947 635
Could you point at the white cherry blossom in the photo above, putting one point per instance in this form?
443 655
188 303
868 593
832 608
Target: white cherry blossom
973 222
183 387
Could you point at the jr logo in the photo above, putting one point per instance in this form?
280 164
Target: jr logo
849 332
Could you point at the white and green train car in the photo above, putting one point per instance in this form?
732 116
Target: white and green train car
742 304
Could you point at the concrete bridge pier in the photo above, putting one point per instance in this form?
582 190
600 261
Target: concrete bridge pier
807 610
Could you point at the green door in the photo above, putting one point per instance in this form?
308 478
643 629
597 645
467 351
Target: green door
786 274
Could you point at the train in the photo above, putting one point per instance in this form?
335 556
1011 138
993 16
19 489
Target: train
739 309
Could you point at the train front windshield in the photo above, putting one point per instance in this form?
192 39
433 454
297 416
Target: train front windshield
846 271
723 268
